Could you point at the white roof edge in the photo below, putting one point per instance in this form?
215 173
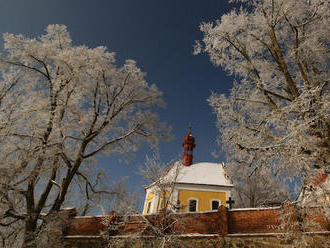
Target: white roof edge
216 185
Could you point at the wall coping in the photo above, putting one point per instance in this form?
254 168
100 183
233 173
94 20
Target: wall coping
90 216
196 235
254 209
140 215
273 234
178 213
82 237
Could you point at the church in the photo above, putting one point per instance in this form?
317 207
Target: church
189 187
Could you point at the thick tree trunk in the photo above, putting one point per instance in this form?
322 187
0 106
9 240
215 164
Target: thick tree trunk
29 233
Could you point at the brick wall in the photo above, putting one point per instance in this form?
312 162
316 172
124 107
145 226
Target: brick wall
220 222
86 226
253 221
315 219
210 223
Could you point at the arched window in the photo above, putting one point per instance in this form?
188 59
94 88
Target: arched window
193 205
215 204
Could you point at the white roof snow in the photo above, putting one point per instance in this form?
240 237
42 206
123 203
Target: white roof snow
199 173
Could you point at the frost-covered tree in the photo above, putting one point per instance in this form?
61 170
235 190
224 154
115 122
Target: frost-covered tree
258 188
277 113
160 226
61 105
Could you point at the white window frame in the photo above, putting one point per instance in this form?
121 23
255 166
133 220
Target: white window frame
195 199
212 200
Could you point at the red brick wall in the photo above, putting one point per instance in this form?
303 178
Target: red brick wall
253 221
315 219
86 226
199 223
220 222
212 222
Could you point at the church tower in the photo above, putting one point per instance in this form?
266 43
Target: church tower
189 187
188 147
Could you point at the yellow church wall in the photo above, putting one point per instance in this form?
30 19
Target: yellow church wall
204 199
149 198
161 203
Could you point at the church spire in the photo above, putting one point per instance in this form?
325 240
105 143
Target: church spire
188 146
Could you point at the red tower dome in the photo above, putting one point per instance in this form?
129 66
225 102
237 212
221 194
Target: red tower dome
188 147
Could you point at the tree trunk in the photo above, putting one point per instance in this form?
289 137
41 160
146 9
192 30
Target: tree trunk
29 233
252 200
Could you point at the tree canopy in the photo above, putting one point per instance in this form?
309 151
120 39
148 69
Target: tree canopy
61 105
277 113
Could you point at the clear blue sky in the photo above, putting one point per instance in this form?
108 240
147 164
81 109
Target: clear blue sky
159 35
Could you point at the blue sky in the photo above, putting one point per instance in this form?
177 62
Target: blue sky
159 35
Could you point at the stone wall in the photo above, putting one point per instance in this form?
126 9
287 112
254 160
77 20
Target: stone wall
207 241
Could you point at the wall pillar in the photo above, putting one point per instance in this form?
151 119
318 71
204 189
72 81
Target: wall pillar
223 220
289 216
